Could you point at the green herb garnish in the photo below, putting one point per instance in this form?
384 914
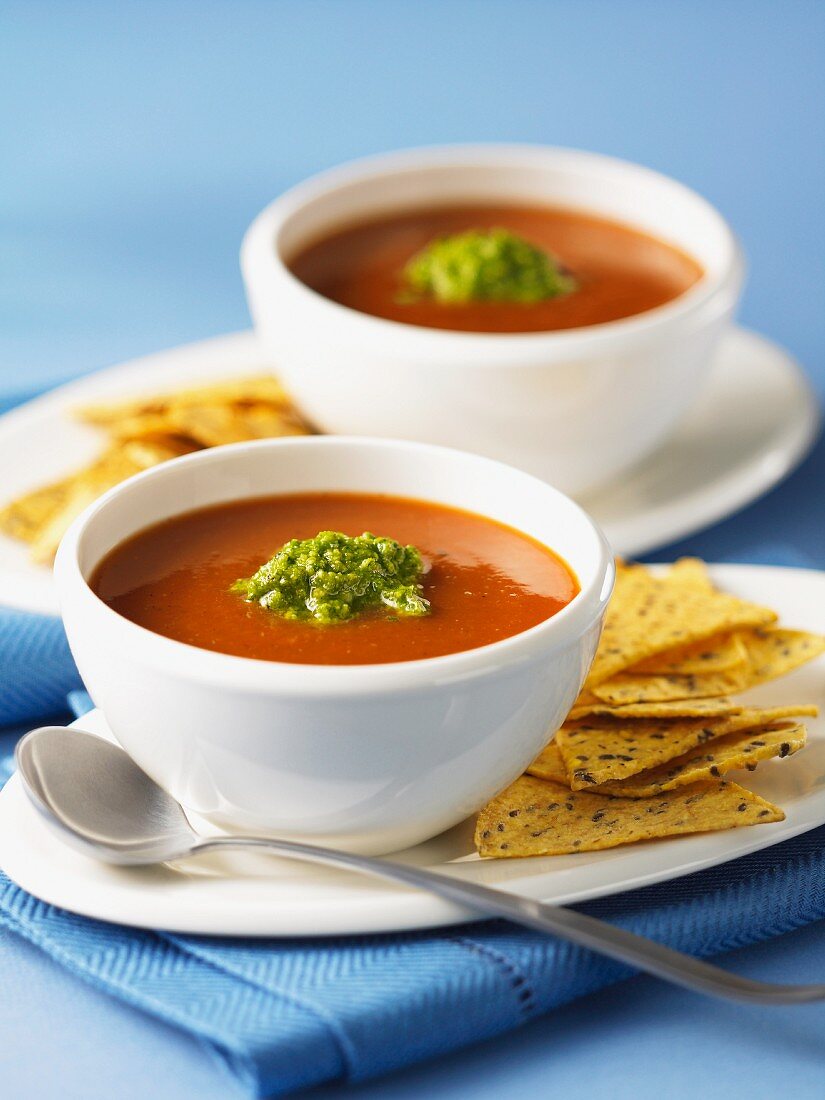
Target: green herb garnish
485 266
333 577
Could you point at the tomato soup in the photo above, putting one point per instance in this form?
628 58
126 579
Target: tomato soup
484 581
619 271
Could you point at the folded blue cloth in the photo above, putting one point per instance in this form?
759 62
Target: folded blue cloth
36 667
287 1014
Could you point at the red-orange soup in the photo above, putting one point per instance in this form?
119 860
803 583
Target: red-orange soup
486 581
620 270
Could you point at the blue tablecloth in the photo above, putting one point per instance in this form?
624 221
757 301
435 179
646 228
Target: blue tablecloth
142 139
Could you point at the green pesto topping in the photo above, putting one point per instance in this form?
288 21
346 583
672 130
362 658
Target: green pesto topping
486 266
333 577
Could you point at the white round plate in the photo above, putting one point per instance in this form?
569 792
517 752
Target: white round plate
754 422
256 895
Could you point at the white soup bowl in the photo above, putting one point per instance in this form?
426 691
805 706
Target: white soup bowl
575 407
367 757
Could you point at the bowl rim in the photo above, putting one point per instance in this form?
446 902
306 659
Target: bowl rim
261 254
287 678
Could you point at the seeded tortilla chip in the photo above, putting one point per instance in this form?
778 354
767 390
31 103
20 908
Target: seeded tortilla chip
693 573
675 708
26 517
648 615
628 688
211 425
149 426
263 388
549 765
597 751
743 749
214 425
586 700
719 654
771 653
114 466
774 653
536 817
147 430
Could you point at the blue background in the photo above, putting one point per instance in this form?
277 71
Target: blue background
138 142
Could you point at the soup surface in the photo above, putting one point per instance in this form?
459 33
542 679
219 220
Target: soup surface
485 581
620 271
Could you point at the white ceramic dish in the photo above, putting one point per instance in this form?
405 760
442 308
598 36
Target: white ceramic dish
538 400
752 423
366 757
262 896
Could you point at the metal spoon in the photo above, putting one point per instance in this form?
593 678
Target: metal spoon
111 810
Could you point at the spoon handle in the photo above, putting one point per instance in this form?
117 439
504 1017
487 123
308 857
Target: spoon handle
596 935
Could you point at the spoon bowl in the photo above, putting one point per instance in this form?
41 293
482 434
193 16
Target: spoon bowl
102 802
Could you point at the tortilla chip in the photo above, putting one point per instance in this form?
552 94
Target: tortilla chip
114 466
549 765
25 517
674 708
535 817
719 654
596 751
256 388
265 422
743 749
693 573
586 699
147 426
649 615
771 653
145 431
774 653
628 688
212 425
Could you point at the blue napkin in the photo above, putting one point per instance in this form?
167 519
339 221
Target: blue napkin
287 1014
36 667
